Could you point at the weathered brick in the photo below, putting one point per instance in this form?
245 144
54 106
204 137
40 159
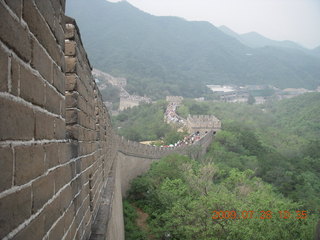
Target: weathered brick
70 31
70 48
56 8
14 208
72 231
41 30
82 210
59 129
51 213
58 231
58 79
42 191
72 116
3 71
81 88
52 100
15 77
66 198
73 132
11 127
82 104
16 6
44 126
87 225
34 230
72 100
32 88
29 163
71 82
69 216
63 62
63 4
52 158
71 64
6 163
46 11
85 148
62 176
41 61
14 35
63 108
67 151
76 186
59 33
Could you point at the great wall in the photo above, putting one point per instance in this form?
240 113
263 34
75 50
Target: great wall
64 171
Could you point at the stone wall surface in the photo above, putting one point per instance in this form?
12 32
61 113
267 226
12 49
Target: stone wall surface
63 170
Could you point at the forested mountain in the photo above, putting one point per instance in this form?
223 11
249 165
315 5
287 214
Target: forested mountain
170 56
255 40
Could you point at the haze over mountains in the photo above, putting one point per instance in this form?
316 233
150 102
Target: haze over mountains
255 40
171 56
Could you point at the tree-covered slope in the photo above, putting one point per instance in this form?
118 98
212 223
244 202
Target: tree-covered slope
280 142
188 199
168 55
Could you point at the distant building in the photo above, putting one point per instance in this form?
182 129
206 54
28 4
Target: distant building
203 124
260 100
174 99
235 97
295 91
222 88
200 99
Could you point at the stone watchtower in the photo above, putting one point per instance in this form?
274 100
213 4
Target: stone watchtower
203 124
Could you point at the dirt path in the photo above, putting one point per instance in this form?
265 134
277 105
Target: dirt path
142 219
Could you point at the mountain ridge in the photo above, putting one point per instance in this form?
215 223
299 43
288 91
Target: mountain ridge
256 40
172 56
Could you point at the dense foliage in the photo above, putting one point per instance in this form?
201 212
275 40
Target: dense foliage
131 229
170 56
266 158
180 195
280 142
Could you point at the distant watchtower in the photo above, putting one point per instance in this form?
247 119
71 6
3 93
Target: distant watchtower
203 124
174 99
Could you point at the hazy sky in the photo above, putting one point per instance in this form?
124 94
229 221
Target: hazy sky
296 20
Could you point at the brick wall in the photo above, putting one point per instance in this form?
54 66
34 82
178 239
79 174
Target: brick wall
54 126
34 151
61 163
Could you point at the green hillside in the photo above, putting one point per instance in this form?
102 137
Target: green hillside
279 142
266 158
170 56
